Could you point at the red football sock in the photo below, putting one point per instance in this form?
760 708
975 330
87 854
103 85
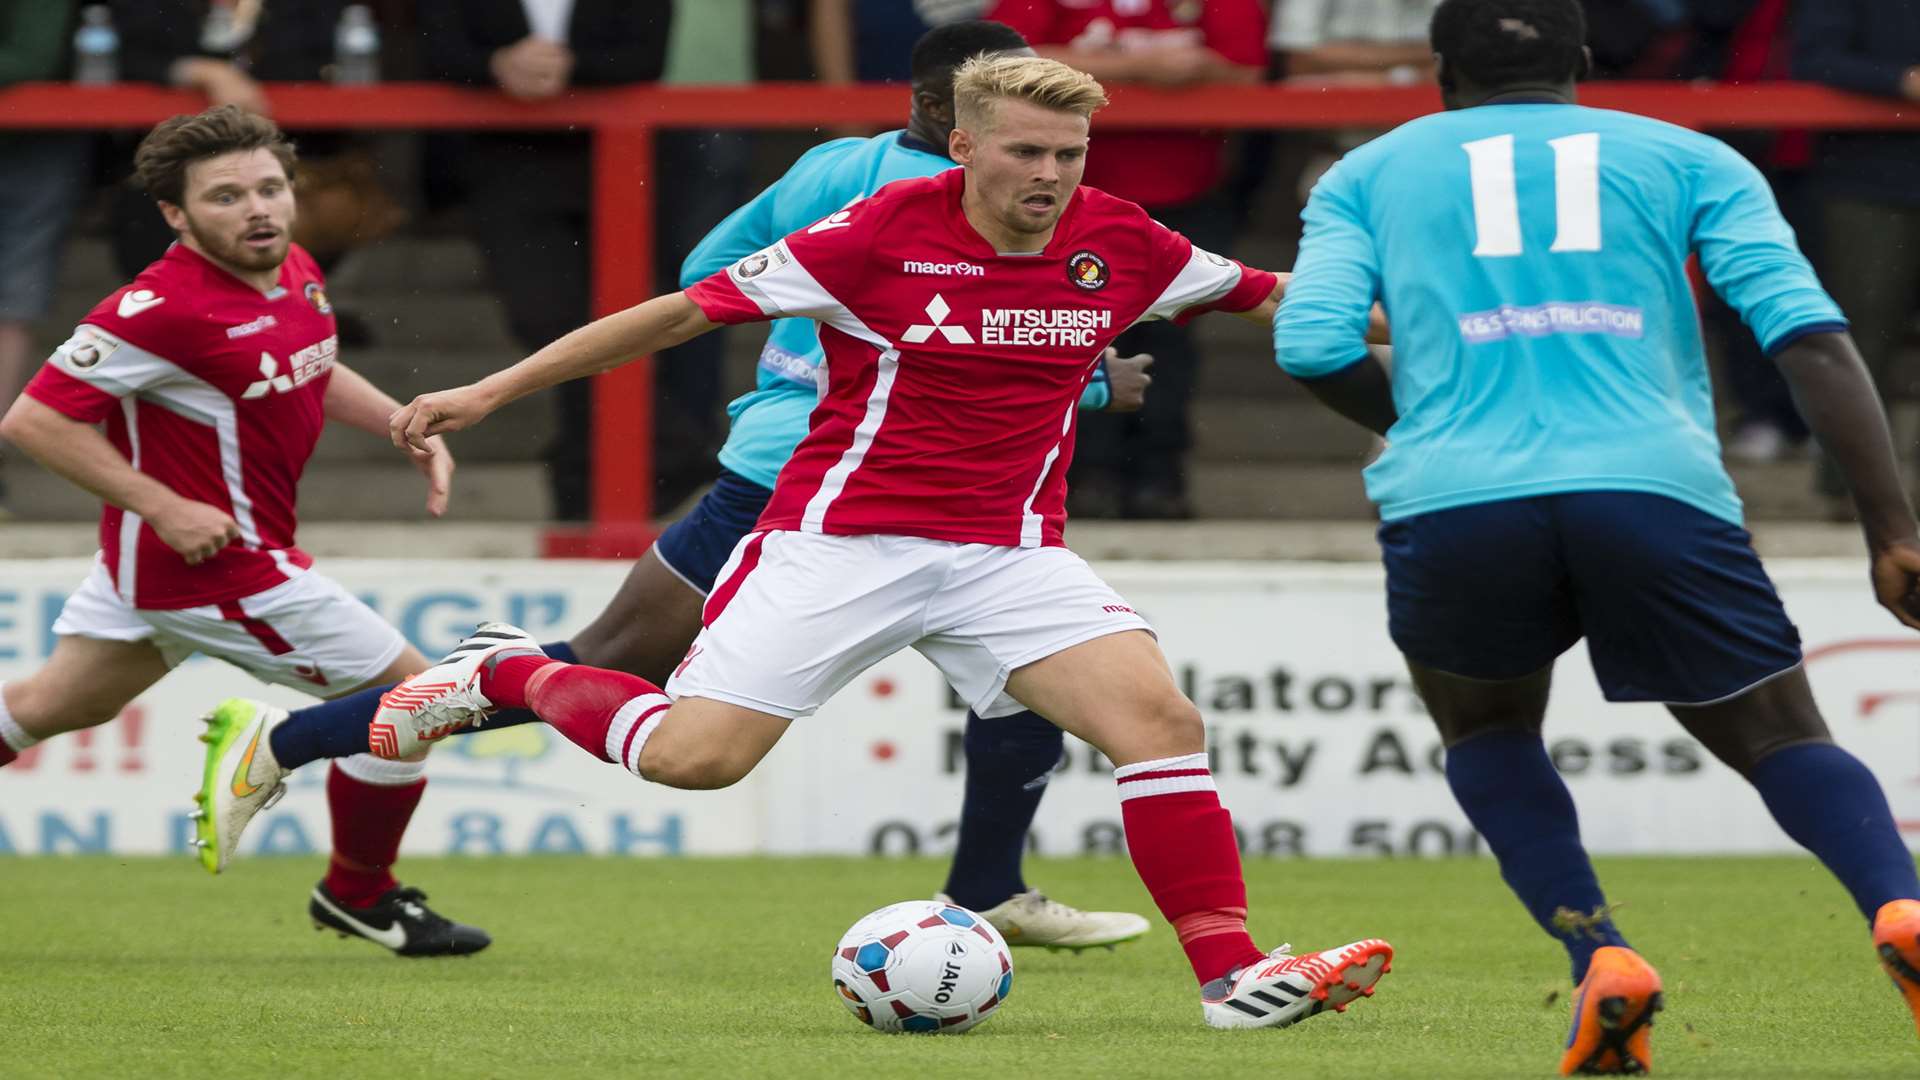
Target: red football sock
504 682
581 703
368 821
6 755
1182 844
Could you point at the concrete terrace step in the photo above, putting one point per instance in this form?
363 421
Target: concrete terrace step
518 433
1279 429
414 264
1264 491
430 320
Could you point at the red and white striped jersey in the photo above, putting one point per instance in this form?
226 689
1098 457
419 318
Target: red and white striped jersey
952 371
216 390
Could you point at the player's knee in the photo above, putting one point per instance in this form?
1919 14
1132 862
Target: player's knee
1743 749
692 765
1458 728
1173 727
1762 750
1758 724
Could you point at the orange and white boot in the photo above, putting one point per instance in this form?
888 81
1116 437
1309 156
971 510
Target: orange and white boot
1613 1016
1896 936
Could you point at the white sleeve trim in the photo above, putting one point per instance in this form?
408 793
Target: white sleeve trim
1206 278
110 363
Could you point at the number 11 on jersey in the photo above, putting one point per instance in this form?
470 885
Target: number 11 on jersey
1496 200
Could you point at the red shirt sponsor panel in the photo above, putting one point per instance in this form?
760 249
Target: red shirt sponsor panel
216 390
953 372
1154 168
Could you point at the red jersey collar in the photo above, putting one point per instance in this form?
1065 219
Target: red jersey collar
955 181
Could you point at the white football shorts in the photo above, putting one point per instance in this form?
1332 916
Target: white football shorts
795 616
306 632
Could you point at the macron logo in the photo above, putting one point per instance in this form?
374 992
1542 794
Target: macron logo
839 219
137 301
957 269
937 311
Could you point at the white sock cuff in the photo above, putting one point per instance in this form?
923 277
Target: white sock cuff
1164 776
379 771
632 726
11 732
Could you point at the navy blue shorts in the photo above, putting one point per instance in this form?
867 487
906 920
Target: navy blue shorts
1673 601
697 546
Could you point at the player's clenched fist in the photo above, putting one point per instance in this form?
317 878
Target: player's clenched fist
1127 381
1896 580
436 414
194 530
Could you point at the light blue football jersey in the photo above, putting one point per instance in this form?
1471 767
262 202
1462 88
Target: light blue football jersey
770 420
1531 259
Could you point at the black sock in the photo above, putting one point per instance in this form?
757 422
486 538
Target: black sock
338 728
1009 760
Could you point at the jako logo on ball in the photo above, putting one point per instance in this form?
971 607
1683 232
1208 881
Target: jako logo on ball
922 966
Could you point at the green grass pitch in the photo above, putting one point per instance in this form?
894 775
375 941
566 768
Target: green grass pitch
706 967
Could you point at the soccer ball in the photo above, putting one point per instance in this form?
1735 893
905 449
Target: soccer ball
922 966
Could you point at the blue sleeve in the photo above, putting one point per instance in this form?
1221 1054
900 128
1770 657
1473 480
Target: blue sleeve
1322 323
1098 394
816 182
1748 254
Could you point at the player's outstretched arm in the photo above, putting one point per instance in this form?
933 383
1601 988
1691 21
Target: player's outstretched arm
354 401
79 453
1262 314
1836 395
1362 392
599 346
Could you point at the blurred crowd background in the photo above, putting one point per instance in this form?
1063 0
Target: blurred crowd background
452 254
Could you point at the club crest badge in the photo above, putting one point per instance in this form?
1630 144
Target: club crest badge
1088 271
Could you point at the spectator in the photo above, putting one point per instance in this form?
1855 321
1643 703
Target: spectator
711 43
1354 41
1135 466
529 192
227 50
40 178
223 49
1870 180
1747 41
1639 39
871 40
1350 42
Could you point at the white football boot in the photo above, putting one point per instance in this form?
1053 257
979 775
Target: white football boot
445 699
1030 918
240 779
1285 989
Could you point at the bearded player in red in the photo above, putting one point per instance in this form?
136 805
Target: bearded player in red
961 315
212 375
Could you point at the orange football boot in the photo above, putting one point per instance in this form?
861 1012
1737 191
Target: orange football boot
1613 1016
1896 935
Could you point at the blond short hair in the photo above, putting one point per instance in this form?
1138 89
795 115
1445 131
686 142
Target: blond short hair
1050 84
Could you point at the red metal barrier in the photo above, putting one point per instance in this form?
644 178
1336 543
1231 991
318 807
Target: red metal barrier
623 122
